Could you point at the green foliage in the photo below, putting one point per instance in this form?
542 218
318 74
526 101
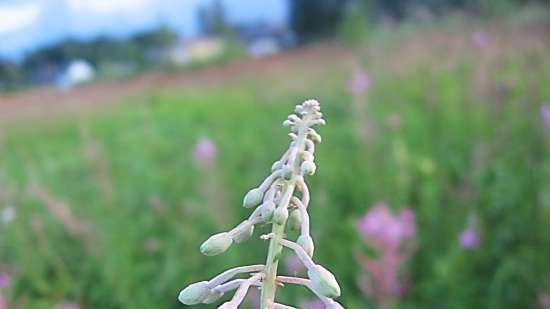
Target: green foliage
129 173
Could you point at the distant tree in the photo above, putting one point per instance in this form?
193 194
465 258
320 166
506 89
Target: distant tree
212 19
311 19
11 75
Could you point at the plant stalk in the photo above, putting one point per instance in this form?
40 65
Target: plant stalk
269 284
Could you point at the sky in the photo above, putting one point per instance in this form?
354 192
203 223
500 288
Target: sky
28 24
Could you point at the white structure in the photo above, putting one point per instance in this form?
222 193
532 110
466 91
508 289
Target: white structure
198 50
77 72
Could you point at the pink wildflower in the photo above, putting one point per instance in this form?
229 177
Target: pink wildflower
312 304
392 236
480 39
294 265
205 152
469 238
545 112
360 82
5 280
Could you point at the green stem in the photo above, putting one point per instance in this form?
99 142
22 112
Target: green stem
269 284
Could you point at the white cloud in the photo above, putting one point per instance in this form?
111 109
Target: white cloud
108 6
15 17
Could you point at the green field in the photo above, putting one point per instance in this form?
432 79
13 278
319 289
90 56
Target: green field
471 140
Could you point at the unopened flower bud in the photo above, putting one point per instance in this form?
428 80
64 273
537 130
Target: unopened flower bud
280 215
333 305
228 305
295 220
194 293
268 207
287 173
244 233
287 123
213 297
323 281
307 156
277 165
216 244
306 242
308 168
253 198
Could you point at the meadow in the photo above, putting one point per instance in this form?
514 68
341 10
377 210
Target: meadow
107 208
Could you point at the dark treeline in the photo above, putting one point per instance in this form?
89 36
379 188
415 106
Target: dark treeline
312 19
141 51
309 19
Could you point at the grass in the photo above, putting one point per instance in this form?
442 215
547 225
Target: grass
471 141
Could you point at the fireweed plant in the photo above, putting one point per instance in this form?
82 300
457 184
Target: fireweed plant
275 203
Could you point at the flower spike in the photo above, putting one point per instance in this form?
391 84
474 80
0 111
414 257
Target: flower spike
274 202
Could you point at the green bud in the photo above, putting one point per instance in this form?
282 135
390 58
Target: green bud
280 215
253 198
308 168
323 282
295 220
194 293
276 166
306 242
268 207
216 244
244 233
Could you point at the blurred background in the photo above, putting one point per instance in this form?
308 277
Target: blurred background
131 129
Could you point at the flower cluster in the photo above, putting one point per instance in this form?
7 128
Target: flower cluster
392 236
274 202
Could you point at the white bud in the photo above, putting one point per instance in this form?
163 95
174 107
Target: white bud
308 168
194 293
306 242
244 233
280 215
287 123
228 305
323 281
314 136
268 207
295 220
333 305
216 244
277 165
253 198
307 156
287 173
213 297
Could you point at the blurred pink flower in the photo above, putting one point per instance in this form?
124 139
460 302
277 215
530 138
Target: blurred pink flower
360 82
545 112
253 298
3 302
392 236
469 238
544 300
5 280
381 226
312 304
480 39
294 265
205 152
68 306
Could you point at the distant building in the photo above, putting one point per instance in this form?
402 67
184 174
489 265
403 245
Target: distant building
265 39
198 50
76 72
